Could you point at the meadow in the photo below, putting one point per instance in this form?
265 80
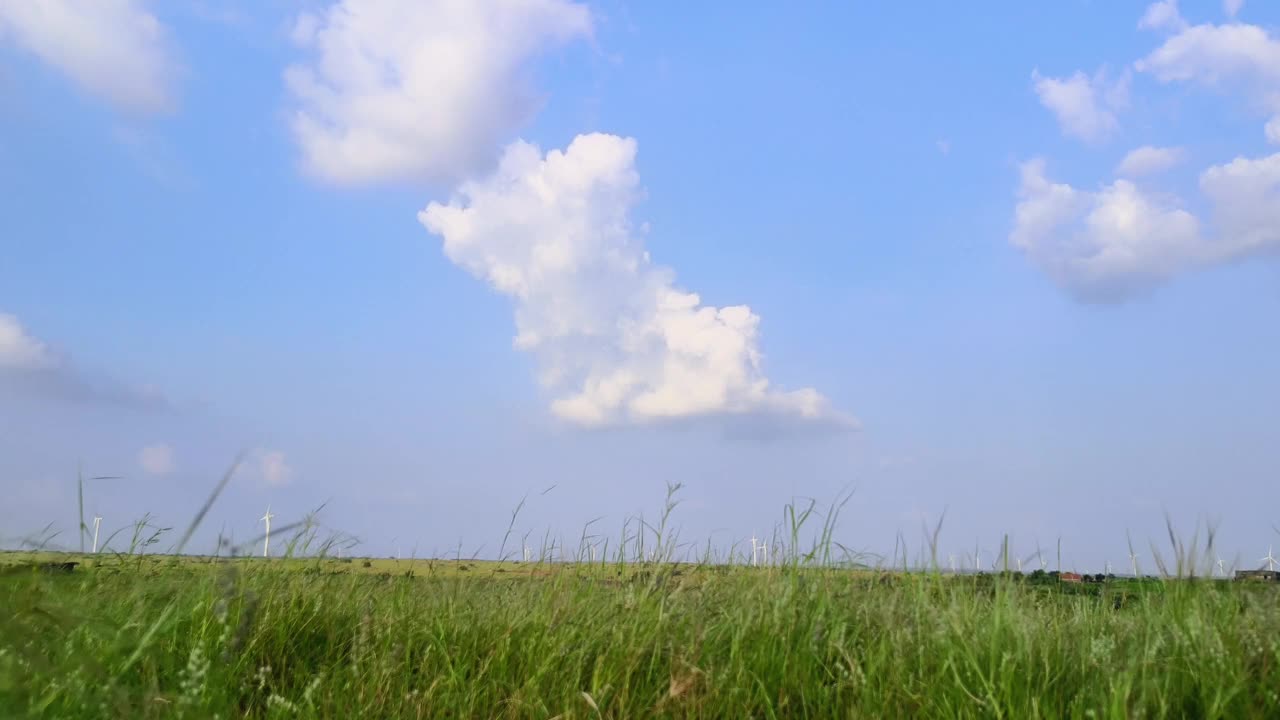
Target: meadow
811 633
146 636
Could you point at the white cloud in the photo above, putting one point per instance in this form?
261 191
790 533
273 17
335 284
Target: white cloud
1162 15
1232 7
274 467
419 89
156 459
1213 54
1103 245
112 48
19 350
1147 160
1246 203
1084 106
28 366
615 339
1106 245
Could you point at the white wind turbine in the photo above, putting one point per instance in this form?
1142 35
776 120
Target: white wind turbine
1222 570
952 559
755 548
1133 561
266 538
527 553
1108 567
764 552
97 521
1270 560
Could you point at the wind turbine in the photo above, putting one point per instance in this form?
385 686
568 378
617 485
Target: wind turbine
80 480
1221 569
527 553
952 559
755 548
1108 567
764 552
1133 560
97 521
266 539
1270 560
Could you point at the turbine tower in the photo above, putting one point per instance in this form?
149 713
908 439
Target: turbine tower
266 539
97 521
1270 560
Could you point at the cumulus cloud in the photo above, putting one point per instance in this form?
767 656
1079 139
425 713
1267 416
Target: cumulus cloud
1245 195
1147 160
1214 54
419 89
156 459
1083 105
1106 244
616 340
112 48
1163 15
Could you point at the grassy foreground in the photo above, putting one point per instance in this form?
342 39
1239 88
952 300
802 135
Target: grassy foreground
146 637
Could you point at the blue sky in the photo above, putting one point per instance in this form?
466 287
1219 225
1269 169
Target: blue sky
223 230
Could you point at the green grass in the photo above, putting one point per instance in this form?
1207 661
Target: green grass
140 637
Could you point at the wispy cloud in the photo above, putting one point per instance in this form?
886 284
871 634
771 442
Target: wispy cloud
273 467
19 350
1163 15
111 48
29 366
157 459
1148 160
1085 106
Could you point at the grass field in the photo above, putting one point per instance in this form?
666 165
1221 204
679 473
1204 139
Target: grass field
152 636
132 634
